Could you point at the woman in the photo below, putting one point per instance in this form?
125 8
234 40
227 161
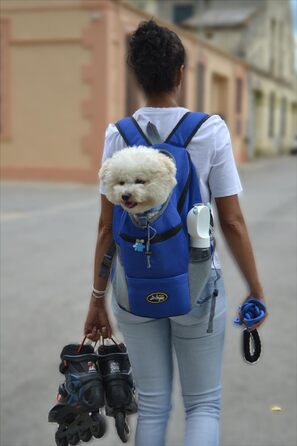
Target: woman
157 58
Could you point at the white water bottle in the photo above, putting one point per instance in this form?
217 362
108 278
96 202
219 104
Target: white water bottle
198 224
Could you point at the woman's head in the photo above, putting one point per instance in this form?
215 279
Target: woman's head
155 55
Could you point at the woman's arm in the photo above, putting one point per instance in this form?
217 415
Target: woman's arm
97 317
104 240
236 234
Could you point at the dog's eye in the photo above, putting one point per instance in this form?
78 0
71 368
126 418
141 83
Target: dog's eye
138 181
122 183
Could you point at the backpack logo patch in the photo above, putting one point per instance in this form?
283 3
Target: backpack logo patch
157 298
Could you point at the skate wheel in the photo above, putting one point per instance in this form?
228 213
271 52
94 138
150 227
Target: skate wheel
98 427
86 435
62 391
60 441
122 427
73 439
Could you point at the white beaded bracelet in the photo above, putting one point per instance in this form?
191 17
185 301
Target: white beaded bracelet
98 294
98 291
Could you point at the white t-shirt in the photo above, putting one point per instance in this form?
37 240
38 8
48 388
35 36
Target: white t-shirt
210 150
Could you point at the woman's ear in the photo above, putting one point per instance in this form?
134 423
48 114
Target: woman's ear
180 75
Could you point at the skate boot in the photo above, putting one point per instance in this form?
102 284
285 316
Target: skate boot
79 398
118 384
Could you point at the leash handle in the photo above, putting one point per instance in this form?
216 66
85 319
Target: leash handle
251 312
251 345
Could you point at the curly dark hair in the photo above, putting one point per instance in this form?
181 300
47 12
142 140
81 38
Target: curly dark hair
155 54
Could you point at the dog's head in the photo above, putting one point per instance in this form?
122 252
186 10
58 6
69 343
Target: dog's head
138 178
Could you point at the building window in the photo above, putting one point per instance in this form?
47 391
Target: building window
200 85
271 115
281 50
238 105
182 12
4 80
272 45
238 126
283 117
238 98
219 100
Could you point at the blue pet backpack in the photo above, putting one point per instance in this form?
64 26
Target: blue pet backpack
153 275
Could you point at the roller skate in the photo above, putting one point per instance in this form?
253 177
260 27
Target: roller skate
79 398
118 384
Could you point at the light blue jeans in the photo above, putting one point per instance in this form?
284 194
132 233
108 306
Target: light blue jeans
199 356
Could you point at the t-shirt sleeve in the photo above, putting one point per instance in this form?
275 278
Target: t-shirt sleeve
223 177
112 143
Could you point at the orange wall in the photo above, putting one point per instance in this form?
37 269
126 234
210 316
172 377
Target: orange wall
67 81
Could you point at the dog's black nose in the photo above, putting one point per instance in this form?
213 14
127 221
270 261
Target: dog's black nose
126 197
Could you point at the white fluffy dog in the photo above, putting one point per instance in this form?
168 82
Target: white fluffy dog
138 178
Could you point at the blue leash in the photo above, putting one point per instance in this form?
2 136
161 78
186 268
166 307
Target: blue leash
252 312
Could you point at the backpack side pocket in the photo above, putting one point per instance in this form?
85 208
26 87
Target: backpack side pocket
199 273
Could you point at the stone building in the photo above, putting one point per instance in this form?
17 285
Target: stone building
64 78
260 33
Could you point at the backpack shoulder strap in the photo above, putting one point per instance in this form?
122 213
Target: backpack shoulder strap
132 133
186 128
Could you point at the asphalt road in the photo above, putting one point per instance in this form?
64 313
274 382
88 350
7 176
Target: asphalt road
48 234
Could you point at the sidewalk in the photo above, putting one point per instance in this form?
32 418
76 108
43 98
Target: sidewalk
47 247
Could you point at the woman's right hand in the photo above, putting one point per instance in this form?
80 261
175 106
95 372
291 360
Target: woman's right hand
260 297
97 322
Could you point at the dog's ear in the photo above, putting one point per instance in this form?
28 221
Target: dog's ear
103 172
167 163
